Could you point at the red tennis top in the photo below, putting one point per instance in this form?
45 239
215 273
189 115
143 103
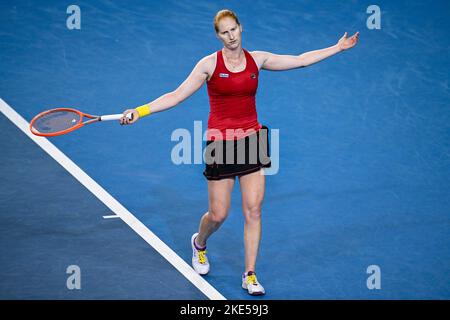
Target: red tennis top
232 101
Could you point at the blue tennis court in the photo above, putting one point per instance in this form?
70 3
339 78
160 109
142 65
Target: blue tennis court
364 153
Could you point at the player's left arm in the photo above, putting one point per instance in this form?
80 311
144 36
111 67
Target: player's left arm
276 62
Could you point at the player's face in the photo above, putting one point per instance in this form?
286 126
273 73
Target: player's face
229 32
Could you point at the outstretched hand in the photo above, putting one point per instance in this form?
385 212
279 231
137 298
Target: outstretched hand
345 43
127 119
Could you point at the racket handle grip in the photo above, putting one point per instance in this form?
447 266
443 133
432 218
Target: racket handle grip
114 117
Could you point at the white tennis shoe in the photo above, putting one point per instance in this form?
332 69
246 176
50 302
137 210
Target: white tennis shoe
200 261
251 284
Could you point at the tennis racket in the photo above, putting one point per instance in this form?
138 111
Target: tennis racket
60 121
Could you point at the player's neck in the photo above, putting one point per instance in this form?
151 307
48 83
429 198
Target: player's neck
233 54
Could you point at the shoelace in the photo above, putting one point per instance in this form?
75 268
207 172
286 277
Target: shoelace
201 256
252 279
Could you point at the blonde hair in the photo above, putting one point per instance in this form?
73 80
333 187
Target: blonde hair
223 14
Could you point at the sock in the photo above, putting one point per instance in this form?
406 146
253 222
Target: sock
197 246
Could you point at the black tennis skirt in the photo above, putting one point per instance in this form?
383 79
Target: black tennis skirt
231 158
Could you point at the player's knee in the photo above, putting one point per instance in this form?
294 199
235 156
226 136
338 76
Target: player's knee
218 214
252 213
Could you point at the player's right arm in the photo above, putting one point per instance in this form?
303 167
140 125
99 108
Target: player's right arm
193 82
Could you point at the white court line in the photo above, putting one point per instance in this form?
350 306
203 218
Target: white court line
114 205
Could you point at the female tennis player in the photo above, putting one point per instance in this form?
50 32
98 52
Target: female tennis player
232 76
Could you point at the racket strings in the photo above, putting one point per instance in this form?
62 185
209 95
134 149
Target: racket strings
56 121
